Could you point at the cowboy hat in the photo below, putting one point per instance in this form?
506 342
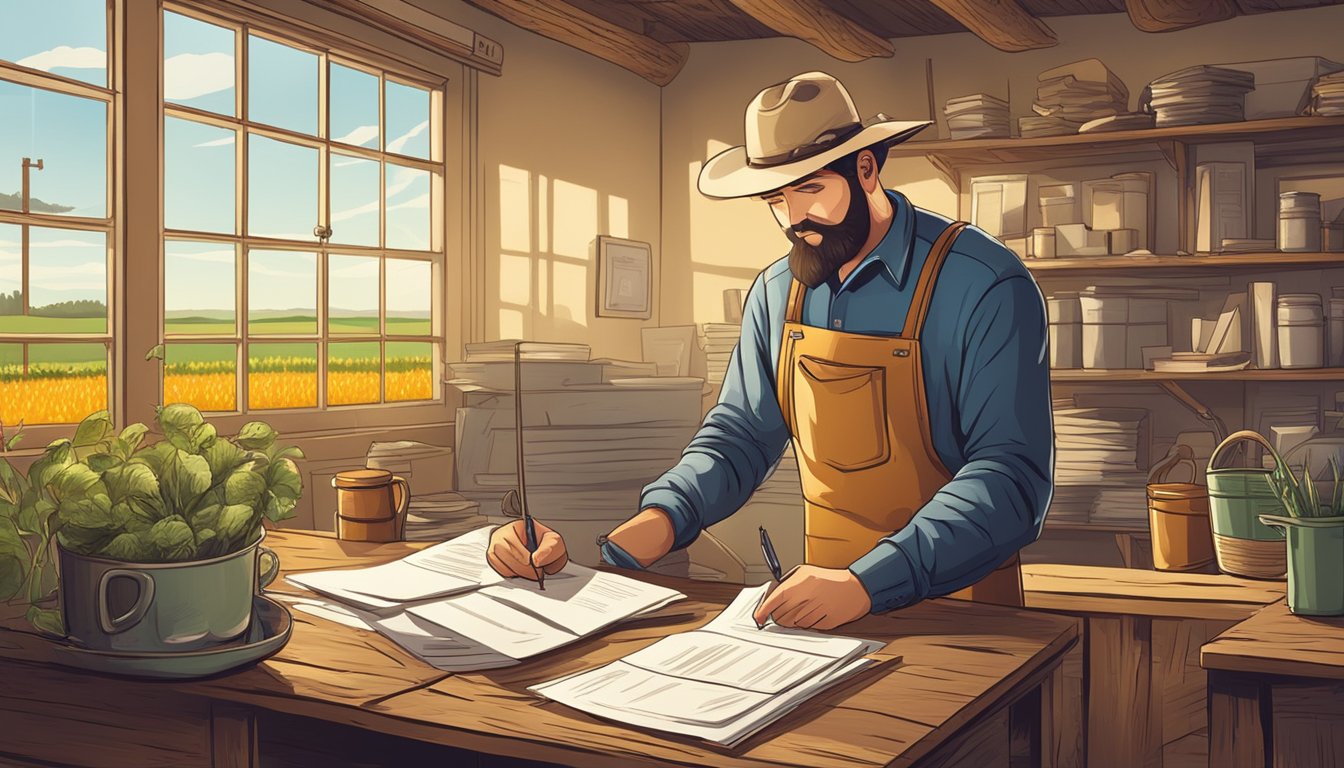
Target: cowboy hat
796 128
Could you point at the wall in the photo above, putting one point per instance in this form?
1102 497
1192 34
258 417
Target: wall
568 149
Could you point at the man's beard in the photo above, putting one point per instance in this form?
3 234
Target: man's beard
813 265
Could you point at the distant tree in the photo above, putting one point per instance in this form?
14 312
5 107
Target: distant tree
14 202
80 308
11 303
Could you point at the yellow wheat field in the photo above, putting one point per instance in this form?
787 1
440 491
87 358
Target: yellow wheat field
51 400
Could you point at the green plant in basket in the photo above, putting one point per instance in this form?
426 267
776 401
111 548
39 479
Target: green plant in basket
193 495
1300 495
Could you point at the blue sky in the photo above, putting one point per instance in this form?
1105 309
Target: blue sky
64 37
198 276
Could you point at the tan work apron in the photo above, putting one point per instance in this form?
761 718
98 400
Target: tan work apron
855 405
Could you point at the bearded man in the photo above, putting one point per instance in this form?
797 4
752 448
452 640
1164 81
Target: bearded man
904 356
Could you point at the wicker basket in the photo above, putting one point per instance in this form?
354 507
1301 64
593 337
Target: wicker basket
1237 497
1178 516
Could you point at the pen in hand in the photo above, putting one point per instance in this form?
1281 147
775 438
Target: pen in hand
529 524
771 560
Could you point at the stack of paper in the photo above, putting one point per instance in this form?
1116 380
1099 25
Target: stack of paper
1327 95
441 516
722 682
447 606
978 116
1199 95
1099 452
495 351
1072 95
427 468
720 339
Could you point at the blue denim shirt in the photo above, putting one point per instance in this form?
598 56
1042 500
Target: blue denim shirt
987 379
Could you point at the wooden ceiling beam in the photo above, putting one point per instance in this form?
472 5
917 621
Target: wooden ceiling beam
558 20
1004 24
1169 15
814 22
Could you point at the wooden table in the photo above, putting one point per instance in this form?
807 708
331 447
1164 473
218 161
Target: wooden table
1276 691
945 703
1133 692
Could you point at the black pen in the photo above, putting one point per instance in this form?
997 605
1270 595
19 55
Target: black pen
771 559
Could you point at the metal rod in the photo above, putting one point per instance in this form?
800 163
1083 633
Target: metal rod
518 425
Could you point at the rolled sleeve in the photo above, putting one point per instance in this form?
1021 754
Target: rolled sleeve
740 439
996 502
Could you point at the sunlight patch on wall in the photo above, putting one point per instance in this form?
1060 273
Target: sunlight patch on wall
543 306
515 209
708 295
575 221
543 214
510 324
515 279
618 216
922 183
571 291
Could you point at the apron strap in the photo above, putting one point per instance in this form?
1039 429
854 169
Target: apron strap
794 311
928 276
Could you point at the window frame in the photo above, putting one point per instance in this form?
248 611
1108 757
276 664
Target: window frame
111 225
438 255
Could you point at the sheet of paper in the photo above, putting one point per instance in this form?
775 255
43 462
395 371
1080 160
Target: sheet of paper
581 599
709 657
514 633
736 620
321 583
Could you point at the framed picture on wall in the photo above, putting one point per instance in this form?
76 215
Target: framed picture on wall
624 278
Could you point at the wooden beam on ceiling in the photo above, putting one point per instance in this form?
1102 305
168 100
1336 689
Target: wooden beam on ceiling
813 22
1169 15
654 61
1004 24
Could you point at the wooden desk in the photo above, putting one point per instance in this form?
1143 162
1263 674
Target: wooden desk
946 704
1276 691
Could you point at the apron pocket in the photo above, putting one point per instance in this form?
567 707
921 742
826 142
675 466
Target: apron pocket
840 414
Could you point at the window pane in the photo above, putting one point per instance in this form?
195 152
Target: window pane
11 278
409 296
354 200
63 383
353 107
410 371
407 120
198 290
352 295
63 37
282 376
67 280
407 208
353 371
281 86
281 293
198 176
281 189
69 135
198 64
205 375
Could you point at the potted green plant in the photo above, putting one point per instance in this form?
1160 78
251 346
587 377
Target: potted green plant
157 545
1314 526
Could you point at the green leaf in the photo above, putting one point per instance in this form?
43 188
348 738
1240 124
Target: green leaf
179 422
129 547
84 541
224 457
244 487
236 523
277 453
134 435
94 429
132 481
256 436
185 477
75 482
48 620
137 515
101 462
172 540
155 352
33 513
284 486
13 441
12 483
88 512
155 456
58 455
206 518
208 544
14 560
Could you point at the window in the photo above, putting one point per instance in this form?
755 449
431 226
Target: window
303 248
56 218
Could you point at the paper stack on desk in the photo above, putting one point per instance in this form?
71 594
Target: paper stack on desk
447 606
722 682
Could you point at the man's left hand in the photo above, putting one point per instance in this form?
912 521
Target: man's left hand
815 598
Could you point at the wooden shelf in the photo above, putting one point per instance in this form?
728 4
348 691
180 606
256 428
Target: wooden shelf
1267 261
1249 374
984 151
1069 525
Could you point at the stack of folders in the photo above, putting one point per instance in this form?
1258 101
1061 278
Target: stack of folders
720 339
447 606
1098 455
722 682
441 516
1072 95
1198 96
978 116
1327 95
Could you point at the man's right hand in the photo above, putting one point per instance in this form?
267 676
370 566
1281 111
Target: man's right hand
508 554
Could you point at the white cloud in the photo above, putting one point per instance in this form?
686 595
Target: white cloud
360 135
226 141
38 292
421 201
270 272
66 57
45 272
398 143
222 256
403 178
348 163
351 213
190 75
65 244
367 268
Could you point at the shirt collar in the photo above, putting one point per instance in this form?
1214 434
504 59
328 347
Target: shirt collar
893 251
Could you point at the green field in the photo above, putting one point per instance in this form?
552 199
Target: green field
36 324
298 326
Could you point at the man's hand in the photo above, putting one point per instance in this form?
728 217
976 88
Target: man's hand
815 598
508 554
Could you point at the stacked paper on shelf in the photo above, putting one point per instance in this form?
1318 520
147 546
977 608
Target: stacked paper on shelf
1072 95
427 468
441 516
447 606
720 339
1099 453
978 116
1199 95
722 682
1327 95
490 366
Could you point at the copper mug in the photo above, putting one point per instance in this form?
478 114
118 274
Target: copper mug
371 505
